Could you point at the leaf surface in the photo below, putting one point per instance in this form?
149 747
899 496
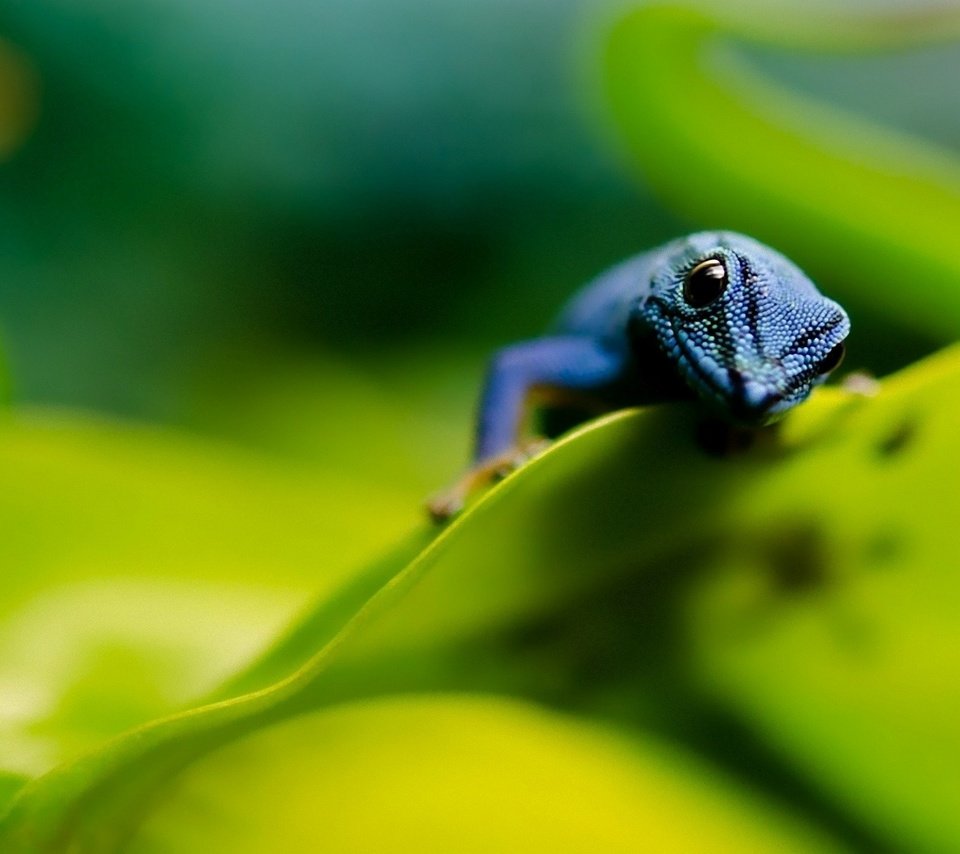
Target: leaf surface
629 495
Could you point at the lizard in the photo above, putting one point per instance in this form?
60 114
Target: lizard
714 316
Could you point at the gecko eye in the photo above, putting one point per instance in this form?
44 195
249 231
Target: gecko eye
705 283
832 359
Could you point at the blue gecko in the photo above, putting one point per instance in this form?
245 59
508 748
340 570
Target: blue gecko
716 316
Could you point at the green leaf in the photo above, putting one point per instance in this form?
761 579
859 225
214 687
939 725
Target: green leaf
118 540
457 774
828 620
861 207
10 784
626 497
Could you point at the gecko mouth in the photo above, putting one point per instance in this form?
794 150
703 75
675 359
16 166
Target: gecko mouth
747 401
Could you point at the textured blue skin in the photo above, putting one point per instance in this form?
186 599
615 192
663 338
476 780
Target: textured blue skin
630 337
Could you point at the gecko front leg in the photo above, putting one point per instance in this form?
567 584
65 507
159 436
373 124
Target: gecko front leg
714 315
563 363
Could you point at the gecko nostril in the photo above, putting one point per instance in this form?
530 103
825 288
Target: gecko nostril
736 379
773 398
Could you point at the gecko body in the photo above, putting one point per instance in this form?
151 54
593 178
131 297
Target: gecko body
715 316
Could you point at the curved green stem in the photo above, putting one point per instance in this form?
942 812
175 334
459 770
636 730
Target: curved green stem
873 213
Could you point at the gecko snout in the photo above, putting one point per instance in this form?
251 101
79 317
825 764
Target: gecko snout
751 401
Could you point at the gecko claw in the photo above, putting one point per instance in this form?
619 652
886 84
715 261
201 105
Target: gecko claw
444 506
450 502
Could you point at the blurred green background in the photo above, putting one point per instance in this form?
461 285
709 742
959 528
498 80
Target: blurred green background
214 187
253 257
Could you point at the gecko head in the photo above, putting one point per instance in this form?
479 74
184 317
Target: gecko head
748 331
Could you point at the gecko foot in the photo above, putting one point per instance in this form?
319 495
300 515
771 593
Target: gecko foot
448 503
